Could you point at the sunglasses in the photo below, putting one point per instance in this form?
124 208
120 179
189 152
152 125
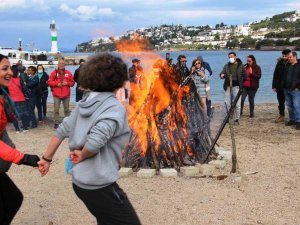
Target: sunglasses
183 61
198 63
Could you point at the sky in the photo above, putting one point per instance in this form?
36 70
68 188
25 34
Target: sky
83 20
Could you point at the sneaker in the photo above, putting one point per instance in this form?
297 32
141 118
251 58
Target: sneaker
56 125
280 119
297 125
251 115
17 132
24 131
290 123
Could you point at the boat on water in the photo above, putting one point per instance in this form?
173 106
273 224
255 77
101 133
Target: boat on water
29 58
35 56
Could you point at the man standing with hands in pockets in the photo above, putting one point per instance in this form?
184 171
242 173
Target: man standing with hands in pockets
61 81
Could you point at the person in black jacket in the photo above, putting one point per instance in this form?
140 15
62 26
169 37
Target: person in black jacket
33 86
278 82
291 88
79 91
42 93
181 69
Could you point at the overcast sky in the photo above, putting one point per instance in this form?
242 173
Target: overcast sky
82 20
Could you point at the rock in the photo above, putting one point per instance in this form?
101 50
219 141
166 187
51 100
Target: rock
219 164
125 172
146 173
225 155
190 171
206 169
168 172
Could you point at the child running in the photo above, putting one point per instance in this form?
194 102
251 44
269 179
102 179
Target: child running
98 131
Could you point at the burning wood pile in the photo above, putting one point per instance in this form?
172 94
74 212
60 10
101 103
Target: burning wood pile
169 125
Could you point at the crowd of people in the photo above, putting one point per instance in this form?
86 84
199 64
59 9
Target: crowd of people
98 128
239 79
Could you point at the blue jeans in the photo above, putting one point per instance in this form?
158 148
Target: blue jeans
292 101
228 98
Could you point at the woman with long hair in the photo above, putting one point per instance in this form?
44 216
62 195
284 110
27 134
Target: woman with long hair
10 196
251 84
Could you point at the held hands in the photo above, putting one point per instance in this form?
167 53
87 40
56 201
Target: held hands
65 83
43 166
30 160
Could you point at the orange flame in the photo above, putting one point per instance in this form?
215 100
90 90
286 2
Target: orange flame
151 99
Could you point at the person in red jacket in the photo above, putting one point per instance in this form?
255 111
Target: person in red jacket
251 84
10 196
17 95
61 81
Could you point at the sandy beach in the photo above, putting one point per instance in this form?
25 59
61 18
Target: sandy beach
270 194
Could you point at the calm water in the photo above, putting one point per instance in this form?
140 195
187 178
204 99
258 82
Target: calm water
266 59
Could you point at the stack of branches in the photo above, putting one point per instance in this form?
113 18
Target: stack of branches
177 134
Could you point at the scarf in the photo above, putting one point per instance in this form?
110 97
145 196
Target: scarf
40 75
9 106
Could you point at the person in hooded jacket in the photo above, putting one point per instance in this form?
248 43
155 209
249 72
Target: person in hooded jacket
98 130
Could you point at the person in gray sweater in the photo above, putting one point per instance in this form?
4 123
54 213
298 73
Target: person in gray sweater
98 131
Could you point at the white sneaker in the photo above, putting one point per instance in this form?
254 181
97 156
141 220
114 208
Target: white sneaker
24 131
17 132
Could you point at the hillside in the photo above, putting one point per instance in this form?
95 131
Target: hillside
279 30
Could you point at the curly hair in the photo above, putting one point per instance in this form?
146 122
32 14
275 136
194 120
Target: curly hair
103 73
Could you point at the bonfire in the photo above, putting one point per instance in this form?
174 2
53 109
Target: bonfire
170 128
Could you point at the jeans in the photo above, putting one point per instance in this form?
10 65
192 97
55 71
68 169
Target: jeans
65 102
292 101
228 98
32 104
281 101
41 105
24 115
251 94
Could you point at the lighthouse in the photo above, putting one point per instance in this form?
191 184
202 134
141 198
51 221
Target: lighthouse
53 31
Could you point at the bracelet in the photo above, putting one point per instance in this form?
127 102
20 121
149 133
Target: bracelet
47 160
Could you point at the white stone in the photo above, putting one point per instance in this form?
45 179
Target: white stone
219 164
218 149
146 173
168 172
225 155
206 169
237 178
125 172
190 171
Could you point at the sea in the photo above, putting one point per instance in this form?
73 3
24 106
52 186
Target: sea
265 59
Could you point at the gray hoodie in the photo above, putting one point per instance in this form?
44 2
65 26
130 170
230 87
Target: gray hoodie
100 124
